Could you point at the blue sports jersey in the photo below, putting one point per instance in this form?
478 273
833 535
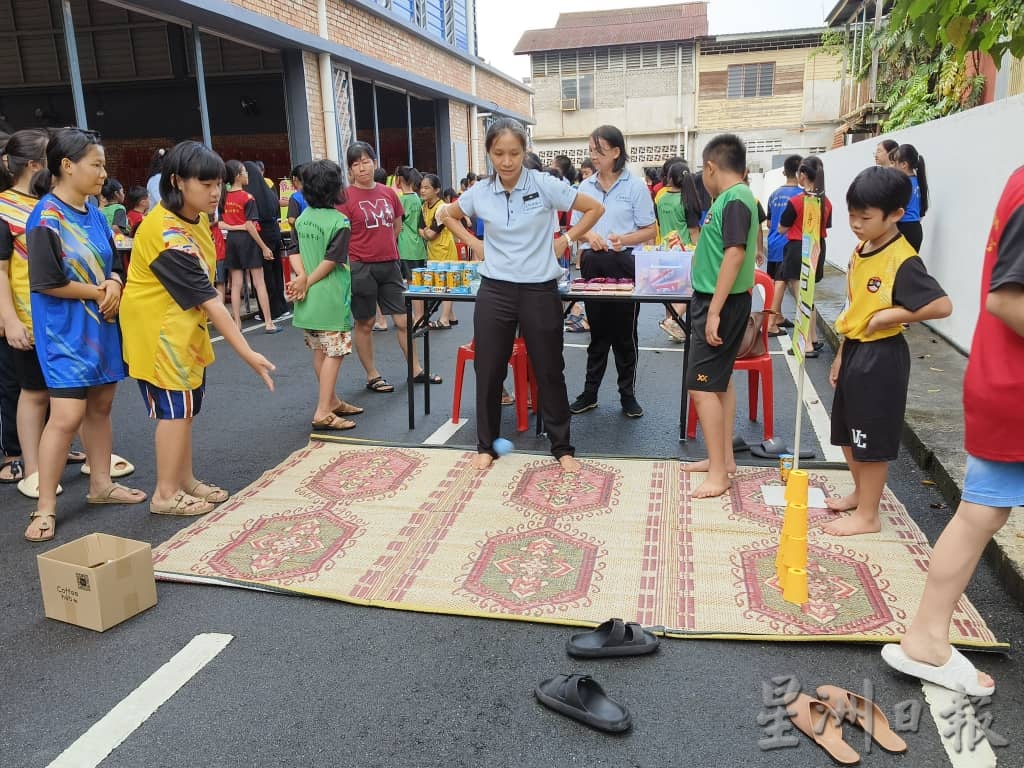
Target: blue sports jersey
776 206
76 346
913 209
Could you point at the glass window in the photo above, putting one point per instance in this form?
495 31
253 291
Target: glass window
586 92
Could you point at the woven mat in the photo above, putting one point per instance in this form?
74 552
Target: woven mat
419 529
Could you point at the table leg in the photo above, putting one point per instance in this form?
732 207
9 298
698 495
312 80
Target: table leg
408 363
683 402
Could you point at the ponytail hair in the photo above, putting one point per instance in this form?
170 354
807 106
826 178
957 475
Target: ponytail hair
70 143
812 167
907 153
41 184
20 149
410 176
679 176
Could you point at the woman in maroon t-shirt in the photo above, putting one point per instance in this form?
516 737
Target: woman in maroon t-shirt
375 216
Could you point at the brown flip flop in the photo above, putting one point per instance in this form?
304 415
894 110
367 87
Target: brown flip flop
820 723
863 713
47 528
107 496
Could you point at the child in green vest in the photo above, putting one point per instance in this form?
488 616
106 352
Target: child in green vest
322 292
113 207
723 275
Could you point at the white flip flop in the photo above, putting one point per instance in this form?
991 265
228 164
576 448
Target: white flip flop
957 674
114 471
29 486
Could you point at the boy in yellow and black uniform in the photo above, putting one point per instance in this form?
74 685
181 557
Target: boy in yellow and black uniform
887 287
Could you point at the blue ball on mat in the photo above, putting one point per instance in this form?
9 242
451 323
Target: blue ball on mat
501 446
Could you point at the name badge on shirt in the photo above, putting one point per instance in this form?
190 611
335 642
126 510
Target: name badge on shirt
532 202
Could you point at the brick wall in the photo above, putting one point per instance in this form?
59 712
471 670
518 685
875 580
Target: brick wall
128 159
373 36
317 137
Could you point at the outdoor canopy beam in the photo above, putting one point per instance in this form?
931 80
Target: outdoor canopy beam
74 68
204 112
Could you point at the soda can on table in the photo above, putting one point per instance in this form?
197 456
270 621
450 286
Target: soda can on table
426 278
466 273
785 466
417 277
440 280
454 279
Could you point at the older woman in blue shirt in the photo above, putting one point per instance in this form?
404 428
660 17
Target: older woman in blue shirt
607 251
519 283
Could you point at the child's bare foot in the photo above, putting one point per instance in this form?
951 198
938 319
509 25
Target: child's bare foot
483 461
711 487
854 525
936 653
569 463
705 464
844 504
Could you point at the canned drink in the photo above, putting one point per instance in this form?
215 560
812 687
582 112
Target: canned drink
467 276
440 280
426 278
417 277
785 466
454 279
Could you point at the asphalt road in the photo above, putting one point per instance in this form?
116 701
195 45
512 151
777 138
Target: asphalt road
310 682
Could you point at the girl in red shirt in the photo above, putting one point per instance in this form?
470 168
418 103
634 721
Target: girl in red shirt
245 248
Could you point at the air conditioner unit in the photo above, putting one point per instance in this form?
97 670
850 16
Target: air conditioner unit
569 105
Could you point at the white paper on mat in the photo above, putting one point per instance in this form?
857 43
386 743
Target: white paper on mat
775 496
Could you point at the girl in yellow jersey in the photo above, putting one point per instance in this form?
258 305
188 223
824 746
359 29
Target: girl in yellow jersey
168 299
440 241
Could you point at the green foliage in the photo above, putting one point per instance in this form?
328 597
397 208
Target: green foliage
965 26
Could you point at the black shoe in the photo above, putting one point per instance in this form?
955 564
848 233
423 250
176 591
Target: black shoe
785 323
631 407
583 403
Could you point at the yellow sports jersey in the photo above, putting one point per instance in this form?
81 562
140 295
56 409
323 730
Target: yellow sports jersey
164 344
14 210
870 281
442 247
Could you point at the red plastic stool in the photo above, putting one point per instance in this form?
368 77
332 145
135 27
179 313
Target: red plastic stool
522 377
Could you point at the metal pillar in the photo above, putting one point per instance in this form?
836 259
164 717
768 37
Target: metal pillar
408 116
204 112
74 69
376 124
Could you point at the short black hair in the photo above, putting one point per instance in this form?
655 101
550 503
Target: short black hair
356 150
792 165
380 175
134 196
433 180
613 138
187 160
231 170
110 188
409 175
323 182
728 152
297 171
532 162
877 187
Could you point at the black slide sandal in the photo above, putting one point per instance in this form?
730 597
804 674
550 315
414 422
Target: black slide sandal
612 638
582 698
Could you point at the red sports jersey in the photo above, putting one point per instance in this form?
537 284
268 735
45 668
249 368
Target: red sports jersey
240 207
796 228
993 417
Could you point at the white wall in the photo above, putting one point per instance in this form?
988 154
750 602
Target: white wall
969 157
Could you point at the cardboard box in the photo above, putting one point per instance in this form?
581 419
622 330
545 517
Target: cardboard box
97 581
662 272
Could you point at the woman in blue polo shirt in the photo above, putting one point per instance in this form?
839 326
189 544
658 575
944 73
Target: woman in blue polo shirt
519 283
906 159
607 251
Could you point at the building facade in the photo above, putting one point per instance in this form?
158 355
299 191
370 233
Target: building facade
657 75
283 81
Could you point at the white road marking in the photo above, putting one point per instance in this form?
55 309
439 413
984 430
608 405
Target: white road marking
820 420
138 706
678 348
943 700
444 433
250 329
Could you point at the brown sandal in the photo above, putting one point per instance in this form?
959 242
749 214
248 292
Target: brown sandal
333 424
347 409
207 492
46 529
181 505
855 709
820 723
108 497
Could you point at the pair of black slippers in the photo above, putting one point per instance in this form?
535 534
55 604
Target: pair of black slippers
581 697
